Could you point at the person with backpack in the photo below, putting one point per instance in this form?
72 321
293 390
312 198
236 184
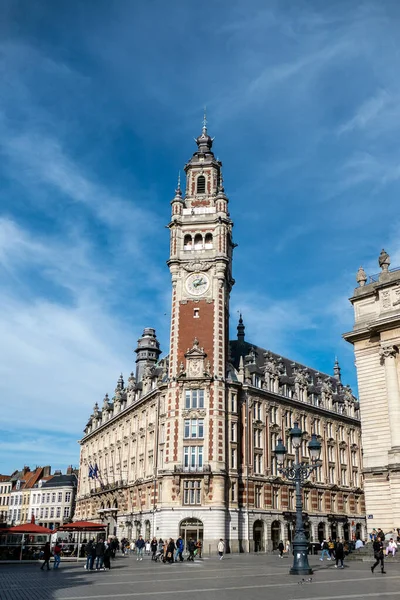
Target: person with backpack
324 550
331 548
179 549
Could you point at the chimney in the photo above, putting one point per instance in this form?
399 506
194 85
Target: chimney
46 471
69 470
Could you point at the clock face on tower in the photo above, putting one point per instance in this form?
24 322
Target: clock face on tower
197 284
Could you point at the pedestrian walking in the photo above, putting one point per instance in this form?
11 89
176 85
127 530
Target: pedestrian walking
100 549
153 547
339 554
57 555
287 547
179 549
221 548
191 549
378 554
324 550
140 544
148 547
331 548
199 548
281 548
46 556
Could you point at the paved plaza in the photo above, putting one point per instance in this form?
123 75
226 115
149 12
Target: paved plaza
255 577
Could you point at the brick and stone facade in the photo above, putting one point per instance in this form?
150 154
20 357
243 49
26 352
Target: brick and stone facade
187 445
376 340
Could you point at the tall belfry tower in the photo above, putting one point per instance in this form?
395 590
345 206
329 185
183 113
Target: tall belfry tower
200 263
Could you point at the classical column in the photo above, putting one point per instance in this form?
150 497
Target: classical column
388 354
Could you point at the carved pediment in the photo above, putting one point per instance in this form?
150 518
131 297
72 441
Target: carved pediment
195 358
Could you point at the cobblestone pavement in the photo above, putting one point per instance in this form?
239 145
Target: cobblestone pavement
255 577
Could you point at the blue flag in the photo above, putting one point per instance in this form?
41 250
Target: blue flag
91 472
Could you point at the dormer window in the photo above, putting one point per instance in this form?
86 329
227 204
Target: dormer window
201 185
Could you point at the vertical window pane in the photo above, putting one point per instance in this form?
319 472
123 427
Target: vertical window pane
201 428
187 399
194 398
200 456
187 423
201 398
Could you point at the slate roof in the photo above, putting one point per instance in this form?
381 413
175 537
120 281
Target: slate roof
60 481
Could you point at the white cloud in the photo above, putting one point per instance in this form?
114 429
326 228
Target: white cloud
368 111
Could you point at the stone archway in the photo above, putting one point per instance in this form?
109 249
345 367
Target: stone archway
275 534
333 532
359 532
191 529
258 536
346 531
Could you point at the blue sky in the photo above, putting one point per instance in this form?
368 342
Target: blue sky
99 105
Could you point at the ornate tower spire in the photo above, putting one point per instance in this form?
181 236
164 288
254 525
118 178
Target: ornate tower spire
240 329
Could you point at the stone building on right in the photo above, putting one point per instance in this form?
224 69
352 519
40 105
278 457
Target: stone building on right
376 340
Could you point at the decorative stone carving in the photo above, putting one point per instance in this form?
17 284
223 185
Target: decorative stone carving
384 260
200 265
361 277
396 293
387 351
385 299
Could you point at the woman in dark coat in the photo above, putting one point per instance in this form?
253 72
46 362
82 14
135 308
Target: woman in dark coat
170 551
46 556
339 553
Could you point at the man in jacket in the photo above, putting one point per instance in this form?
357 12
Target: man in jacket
140 544
100 549
179 549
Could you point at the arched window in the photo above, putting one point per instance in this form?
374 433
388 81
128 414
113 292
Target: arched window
208 242
201 184
198 241
187 242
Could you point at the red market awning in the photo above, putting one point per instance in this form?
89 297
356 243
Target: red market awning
82 526
31 528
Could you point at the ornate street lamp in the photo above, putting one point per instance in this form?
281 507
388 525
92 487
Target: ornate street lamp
298 473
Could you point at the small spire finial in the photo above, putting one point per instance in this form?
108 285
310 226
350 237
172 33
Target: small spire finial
336 370
205 120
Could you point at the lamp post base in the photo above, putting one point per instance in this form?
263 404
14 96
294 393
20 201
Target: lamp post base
300 559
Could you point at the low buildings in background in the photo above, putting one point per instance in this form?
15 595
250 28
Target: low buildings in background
38 495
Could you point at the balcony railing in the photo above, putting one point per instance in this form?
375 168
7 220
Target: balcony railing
196 469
